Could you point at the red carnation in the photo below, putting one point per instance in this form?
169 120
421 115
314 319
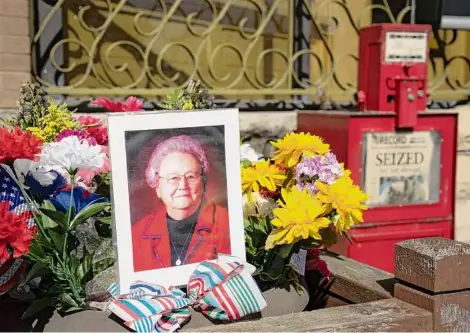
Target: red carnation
14 233
94 128
314 262
16 144
131 104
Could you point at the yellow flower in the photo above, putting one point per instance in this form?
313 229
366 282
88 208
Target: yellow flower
57 119
346 198
37 132
300 217
188 106
262 174
294 145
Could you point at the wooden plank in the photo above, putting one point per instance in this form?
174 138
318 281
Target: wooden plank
333 302
390 315
451 311
435 264
358 282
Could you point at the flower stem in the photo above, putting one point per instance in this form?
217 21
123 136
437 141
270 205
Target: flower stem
69 216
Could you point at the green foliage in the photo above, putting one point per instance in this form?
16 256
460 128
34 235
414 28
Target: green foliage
64 264
273 266
32 106
103 187
103 220
194 97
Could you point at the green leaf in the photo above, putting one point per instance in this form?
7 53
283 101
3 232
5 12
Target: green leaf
38 306
74 263
36 250
49 205
57 238
258 239
38 269
84 267
246 223
87 212
67 299
102 265
259 224
47 222
275 268
269 226
55 216
284 250
106 219
250 248
73 309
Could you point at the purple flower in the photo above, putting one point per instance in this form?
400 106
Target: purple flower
323 168
81 135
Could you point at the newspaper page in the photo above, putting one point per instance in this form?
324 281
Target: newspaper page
402 168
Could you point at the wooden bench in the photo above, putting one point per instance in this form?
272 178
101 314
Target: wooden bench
430 291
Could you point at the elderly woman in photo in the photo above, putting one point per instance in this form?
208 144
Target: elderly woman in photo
187 228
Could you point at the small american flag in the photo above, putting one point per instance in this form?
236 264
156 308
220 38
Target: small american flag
12 269
10 191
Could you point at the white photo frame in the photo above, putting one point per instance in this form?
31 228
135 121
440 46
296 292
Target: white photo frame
121 128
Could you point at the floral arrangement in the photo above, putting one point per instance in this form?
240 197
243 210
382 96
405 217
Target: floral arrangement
54 206
55 211
302 198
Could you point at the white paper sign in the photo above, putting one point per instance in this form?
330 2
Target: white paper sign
402 168
298 261
406 47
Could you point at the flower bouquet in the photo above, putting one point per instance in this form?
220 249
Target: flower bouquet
55 212
299 200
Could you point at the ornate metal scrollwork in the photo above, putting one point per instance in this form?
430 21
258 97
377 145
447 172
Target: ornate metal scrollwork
240 49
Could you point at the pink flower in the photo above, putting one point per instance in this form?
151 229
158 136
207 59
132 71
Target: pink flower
87 175
94 127
130 105
82 135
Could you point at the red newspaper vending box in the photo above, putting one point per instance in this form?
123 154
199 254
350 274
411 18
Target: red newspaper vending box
402 156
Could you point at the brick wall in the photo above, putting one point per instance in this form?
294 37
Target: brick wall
15 53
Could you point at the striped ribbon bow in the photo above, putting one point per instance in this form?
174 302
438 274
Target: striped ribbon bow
224 291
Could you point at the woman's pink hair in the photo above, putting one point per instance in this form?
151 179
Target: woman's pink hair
180 144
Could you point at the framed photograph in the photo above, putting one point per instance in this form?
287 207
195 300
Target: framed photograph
176 192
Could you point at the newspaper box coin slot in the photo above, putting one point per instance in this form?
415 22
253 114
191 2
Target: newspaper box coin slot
402 154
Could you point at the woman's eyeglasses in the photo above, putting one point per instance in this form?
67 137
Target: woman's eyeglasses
191 178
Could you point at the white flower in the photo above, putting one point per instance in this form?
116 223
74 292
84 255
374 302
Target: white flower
248 153
259 205
24 167
71 154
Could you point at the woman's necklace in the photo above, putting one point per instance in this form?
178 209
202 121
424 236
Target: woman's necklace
178 255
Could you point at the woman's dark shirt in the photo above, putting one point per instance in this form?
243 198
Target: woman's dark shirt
180 232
